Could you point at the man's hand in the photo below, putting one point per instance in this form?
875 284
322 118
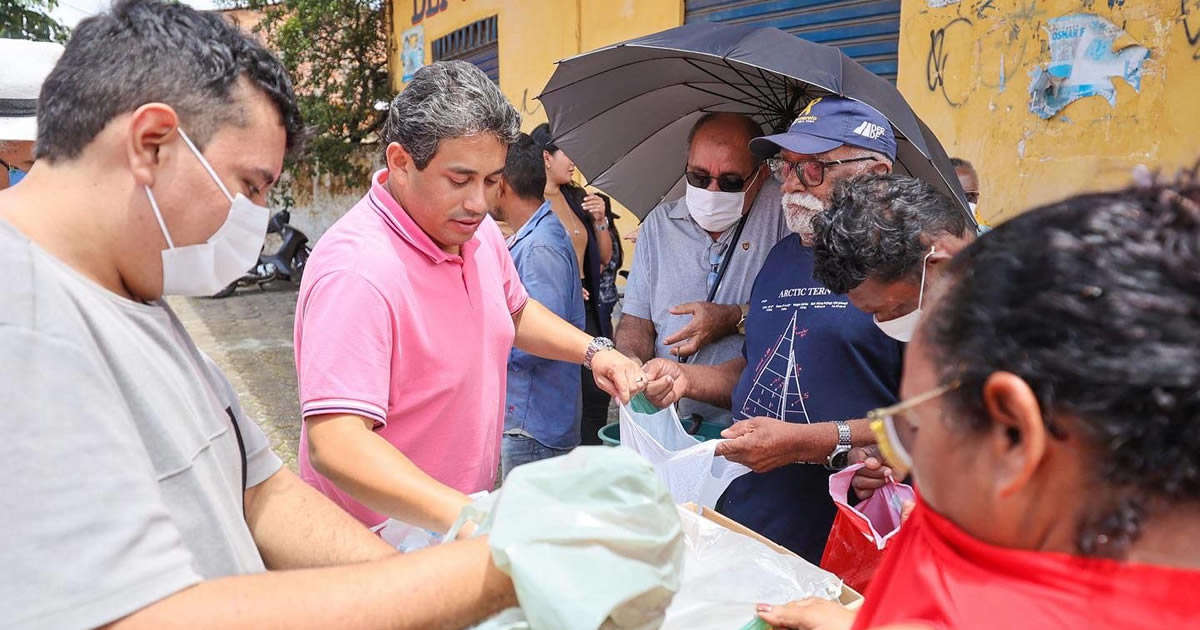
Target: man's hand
668 383
618 375
710 323
872 476
762 444
808 614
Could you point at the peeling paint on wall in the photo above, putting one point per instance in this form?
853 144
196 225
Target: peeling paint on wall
937 4
1082 64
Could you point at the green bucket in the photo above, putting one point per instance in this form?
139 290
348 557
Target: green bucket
610 435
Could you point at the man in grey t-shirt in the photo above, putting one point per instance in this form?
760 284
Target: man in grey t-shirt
682 246
134 491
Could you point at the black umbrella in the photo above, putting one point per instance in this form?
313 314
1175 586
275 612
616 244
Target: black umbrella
623 113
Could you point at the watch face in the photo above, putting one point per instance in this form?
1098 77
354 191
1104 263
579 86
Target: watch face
841 460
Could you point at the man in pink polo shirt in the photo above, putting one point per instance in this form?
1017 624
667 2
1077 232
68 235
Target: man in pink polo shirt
408 310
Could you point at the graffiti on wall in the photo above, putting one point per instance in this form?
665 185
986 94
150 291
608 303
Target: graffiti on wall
427 8
937 60
1010 39
985 44
1189 16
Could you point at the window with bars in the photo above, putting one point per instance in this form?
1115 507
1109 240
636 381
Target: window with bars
476 43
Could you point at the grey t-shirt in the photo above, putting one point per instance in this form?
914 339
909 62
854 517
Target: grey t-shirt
120 475
671 264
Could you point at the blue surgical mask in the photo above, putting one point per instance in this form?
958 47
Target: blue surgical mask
15 175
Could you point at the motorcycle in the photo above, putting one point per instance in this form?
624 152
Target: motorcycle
287 263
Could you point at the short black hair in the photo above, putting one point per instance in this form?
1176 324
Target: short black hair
1095 303
543 139
880 226
961 163
524 170
151 51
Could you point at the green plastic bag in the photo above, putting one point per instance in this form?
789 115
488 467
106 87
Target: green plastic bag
591 540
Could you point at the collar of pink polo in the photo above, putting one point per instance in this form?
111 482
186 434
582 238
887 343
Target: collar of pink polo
403 225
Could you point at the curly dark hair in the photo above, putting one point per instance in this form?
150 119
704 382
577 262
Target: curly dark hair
146 51
1095 303
878 226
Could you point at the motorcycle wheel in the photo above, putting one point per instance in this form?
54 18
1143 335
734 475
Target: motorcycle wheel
299 259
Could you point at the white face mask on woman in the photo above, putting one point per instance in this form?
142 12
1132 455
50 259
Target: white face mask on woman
206 268
903 327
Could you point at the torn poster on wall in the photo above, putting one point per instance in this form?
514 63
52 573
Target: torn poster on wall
1082 64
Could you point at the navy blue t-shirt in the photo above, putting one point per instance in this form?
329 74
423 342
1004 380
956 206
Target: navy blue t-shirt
810 357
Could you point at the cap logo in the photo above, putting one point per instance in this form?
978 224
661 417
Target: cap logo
805 115
870 130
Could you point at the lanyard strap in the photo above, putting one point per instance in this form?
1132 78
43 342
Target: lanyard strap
732 245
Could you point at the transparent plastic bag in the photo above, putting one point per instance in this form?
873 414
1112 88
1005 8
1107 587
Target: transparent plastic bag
691 469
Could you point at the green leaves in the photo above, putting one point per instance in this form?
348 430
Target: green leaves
30 19
336 52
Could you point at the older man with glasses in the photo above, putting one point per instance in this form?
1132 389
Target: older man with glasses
697 256
812 364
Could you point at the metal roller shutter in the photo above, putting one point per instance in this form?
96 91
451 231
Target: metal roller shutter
476 43
868 31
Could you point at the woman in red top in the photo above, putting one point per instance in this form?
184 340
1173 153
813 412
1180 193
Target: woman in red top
1051 415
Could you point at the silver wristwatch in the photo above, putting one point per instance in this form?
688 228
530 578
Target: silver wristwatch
597 344
840 457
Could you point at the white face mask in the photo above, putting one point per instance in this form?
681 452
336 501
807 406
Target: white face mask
903 327
205 268
716 210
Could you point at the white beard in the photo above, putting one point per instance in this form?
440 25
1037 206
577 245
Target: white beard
799 208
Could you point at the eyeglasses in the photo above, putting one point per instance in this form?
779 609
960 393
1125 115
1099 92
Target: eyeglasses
973 197
896 438
727 182
810 172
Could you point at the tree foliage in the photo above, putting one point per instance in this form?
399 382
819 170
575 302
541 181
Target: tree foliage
336 52
31 19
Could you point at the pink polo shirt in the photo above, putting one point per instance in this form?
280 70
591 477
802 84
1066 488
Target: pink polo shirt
392 328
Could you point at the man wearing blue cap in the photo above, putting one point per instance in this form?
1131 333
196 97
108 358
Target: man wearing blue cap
812 364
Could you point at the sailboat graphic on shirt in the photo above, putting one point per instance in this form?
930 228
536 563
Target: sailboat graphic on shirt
776 390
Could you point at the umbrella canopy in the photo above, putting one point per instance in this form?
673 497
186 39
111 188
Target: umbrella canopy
623 113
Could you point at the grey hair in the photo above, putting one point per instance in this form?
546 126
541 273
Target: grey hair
863 167
447 100
5 145
879 226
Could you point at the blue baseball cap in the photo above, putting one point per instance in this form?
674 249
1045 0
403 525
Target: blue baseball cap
827 123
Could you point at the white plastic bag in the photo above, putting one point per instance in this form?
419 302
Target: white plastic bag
691 469
726 574
591 540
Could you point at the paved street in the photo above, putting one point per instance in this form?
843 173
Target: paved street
249 334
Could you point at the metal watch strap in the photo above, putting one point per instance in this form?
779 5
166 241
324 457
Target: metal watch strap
843 428
597 344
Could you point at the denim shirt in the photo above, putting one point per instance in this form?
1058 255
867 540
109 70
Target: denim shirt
543 395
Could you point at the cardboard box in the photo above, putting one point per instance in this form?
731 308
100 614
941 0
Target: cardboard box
850 598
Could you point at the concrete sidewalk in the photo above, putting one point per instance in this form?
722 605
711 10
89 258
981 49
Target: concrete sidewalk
249 335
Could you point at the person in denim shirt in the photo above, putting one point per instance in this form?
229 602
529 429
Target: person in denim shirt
543 407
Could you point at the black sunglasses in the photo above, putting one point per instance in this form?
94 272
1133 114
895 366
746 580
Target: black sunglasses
726 183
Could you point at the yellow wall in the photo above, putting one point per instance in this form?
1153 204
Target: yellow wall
1022 159
533 34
